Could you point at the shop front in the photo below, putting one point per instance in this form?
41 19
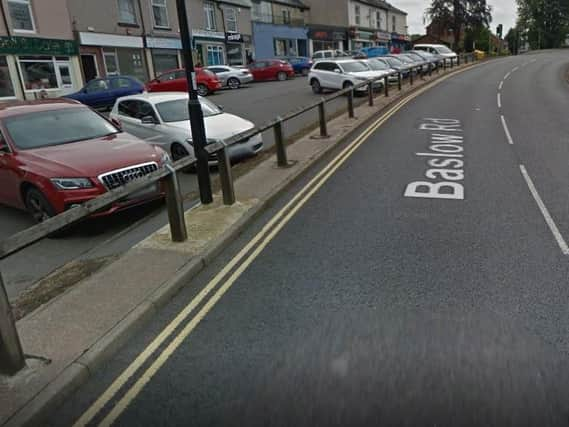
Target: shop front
209 47
119 55
382 38
272 40
400 42
326 38
32 68
163 54
360 39
238 48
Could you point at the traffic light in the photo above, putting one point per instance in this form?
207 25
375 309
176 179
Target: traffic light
500 30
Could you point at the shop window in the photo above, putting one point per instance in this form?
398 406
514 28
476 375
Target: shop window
214 55
209 12
6 86
231 20
21 15
111 62
160 13
39 73
127 12
131 63
285 47
164 60
358 16
235 54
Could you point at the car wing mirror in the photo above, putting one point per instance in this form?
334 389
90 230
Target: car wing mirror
148 120
220 107
116 122
4 148
337 71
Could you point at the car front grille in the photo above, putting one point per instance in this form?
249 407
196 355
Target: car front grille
120 177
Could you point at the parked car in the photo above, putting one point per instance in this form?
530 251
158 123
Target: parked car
163 119
418 61
375 51
396 64
341 74
328 54
175 81
300 64
102 93
382 68
271 69
56 154
231 77
437 49
431 61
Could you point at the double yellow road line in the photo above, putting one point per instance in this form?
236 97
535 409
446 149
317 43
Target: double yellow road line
226 278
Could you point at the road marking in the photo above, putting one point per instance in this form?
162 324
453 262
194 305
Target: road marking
508 134
548 219
499 100
507 76
515 69
501 85
145 355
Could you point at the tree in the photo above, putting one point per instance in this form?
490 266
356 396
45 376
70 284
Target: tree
513 39
545 22
460 15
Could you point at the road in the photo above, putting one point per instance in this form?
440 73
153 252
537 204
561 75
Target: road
378 300
99 241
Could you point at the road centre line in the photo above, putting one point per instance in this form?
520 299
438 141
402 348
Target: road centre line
499 100
507 131
501 85
545 212
507 76
515 69
145 355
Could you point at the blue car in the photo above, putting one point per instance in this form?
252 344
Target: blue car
102 93
375 51
300 64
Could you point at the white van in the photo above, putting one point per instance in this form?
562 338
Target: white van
437 49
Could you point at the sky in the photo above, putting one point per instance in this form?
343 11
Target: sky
503 12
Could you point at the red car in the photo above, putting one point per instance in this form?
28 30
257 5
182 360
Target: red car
271 69
55 154
175 81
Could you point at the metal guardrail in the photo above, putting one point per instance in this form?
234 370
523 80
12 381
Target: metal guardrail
11 355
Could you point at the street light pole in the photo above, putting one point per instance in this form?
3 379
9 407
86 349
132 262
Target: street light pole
197 125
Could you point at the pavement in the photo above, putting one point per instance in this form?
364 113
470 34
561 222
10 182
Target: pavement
70 338
97 241
369 295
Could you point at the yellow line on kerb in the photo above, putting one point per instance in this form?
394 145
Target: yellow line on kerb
262 239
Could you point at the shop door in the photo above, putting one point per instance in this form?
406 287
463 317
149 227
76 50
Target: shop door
64 77
89 64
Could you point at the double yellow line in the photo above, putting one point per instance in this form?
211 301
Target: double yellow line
240 263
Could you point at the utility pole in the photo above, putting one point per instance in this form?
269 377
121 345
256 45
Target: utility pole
199 139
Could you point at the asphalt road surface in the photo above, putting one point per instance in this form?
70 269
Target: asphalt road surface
424 282
100 240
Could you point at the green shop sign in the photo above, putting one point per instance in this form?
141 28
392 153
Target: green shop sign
36 46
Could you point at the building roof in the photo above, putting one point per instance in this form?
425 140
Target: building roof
292 3
382 4
242 3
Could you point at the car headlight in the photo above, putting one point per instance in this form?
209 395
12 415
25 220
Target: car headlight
71 183
363 79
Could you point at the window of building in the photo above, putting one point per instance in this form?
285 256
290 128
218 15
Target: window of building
111 62
262 11
164 60
215 55
39 72
209 11
231 20
358 17
127 12
6 86
378 19
160 13
21 15
286 16
393 24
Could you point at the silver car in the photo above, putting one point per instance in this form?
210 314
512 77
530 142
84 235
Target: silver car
232 77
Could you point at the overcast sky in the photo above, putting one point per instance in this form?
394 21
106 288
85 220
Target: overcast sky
504 12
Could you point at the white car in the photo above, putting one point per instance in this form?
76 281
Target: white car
231 77
437 49
328 54
162 118
341 74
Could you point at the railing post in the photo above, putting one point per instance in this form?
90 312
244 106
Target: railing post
322 119
386 85
430 69
370 93
445 65
351 113
458 61
452 63
175 206
411 76
225 176
399 81
282 160
11 355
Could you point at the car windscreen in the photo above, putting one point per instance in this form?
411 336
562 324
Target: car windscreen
377 65
443 49
177 110
354 67
56 127
394 62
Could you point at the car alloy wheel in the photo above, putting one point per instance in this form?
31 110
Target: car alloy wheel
281 76
316 88
38 206
178 152
233 83
203 90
